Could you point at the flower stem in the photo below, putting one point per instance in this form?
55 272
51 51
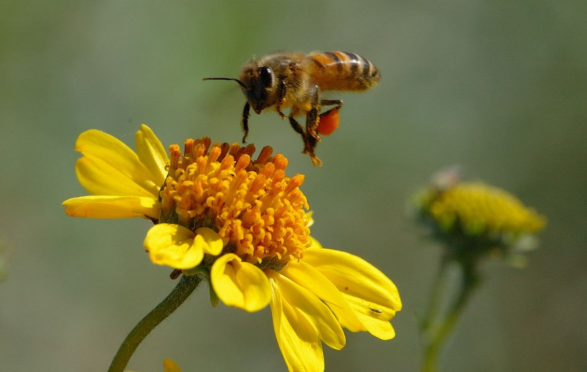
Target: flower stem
180 293
439 292
436 329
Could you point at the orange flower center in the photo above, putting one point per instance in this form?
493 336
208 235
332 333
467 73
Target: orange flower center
257 210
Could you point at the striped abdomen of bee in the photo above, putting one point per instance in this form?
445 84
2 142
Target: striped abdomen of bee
341 71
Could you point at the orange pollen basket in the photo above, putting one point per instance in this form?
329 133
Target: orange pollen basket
259 212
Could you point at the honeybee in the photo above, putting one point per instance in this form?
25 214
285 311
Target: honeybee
296 81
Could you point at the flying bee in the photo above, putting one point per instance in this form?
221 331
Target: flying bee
296 81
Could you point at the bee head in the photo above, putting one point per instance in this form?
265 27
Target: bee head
258 82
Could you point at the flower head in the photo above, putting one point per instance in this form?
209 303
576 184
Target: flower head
242 224
245 224
250 207
475 218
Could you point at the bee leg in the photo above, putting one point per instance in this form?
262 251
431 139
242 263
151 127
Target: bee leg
310 146
297 127
281 92
313 117
330 102
337 103
309 141
245 121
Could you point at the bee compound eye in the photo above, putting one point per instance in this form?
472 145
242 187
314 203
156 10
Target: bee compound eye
266 75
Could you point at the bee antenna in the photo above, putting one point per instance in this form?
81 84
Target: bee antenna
223 78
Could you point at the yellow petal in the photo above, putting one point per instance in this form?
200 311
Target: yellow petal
301 348
173 245
371 294
209 241
308 306
110 162
151 153
374 317
112 207
310 278
309 218
240 284
170 366
101 178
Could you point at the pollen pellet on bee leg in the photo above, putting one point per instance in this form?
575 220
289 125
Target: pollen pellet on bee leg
329 122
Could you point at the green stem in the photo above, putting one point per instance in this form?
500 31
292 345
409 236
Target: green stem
180 293
437 331
437 297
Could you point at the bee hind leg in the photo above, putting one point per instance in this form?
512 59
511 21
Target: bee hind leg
313 117
309 141
337 103
311 145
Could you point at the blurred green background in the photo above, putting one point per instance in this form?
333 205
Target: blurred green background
499 87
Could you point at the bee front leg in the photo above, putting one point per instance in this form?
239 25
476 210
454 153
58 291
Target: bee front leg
313 117
281 92
309 141
245 121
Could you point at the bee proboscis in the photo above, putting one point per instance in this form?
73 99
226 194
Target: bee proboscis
295 81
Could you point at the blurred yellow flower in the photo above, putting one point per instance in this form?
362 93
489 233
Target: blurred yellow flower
477 216
244 225
480 208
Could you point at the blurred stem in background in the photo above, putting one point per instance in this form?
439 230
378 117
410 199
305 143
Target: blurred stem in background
445 308
471 221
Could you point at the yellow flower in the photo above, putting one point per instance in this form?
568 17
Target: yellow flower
244 225
477 208
476 218
265 255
